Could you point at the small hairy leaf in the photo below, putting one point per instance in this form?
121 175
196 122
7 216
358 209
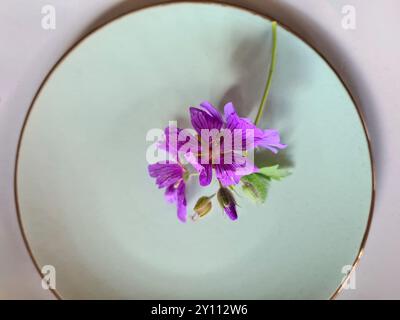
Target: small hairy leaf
274 172
255 186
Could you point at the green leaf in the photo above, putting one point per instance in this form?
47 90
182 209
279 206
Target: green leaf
255 186
274 172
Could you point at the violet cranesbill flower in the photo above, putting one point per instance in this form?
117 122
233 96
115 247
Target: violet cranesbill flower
219 143
171 176
228 172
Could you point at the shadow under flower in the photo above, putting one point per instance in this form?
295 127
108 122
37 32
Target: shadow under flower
264 158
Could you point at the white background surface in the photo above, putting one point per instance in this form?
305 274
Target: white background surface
367 58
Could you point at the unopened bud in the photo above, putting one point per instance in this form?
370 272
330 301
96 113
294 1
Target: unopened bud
202 207
225 197
227 201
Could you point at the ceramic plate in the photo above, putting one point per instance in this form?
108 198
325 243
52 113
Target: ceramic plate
88 207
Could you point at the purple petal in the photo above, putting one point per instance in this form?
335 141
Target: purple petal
244 166
248 131
271 140
170 194
231 212
230 174
181 202
226 174
212 111
229 111
203 120
166 173
205 176
172 143
268 139
205 171
233 121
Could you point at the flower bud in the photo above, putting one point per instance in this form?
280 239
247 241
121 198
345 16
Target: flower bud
227 201
202 207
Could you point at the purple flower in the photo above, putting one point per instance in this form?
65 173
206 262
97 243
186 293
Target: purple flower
170 175
232 162
217 143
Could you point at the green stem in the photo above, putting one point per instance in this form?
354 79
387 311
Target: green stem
270 73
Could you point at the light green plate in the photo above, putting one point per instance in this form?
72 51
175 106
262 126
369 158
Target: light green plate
88 207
